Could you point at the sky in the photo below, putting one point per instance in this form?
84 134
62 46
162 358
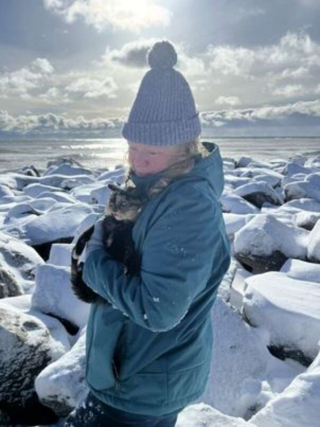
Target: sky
71 68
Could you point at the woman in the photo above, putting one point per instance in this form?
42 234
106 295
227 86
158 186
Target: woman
149 351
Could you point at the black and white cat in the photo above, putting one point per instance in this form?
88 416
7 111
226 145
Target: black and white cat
123 208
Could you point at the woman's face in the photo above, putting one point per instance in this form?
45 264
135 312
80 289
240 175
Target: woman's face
147 160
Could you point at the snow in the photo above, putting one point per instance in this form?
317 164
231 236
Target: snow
302 270
265 234
314 243
298 405
288 308
52 281
253 313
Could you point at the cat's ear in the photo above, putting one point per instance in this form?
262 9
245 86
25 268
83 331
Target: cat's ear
113 187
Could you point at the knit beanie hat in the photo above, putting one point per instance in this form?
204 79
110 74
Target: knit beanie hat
164 111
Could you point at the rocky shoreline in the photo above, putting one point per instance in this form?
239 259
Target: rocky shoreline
266 317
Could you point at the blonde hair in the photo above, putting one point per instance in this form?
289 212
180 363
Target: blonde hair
184 162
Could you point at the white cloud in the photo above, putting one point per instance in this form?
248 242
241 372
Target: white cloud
20 82
289 91
270 113
129 15
43 65
228 100
50 123
228 60
295 51
94 88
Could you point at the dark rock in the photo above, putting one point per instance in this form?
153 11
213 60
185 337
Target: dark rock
261 264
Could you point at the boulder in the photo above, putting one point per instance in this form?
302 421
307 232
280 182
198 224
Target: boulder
297 405
289 309
18 263
26 348
259 193
52 282
265 243
314 244
61 385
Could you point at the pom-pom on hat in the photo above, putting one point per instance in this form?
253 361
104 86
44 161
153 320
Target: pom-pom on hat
164 111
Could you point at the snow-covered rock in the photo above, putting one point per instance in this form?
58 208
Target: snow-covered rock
259 193
295 206
302 270
314 244
297 405
60 254
53 282
306 219
241 364
26 348
302 189
16 181
234 222
235 181
61 386
18 262
202 415
289 309
265 243
33 190
67 169
52 226
232 203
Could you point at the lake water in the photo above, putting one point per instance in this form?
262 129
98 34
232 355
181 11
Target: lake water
102 153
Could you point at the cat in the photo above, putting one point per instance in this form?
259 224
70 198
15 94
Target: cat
123 208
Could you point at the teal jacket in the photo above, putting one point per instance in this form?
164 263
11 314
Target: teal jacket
149 352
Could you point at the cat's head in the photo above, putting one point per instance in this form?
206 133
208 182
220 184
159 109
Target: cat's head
123 203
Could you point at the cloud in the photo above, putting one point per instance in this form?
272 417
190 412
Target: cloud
127 15
305 114
228 60
51 124
289 91
276 114
20 82
133 55
93 88
228 100
295 51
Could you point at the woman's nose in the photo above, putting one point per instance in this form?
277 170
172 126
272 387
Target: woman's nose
139 158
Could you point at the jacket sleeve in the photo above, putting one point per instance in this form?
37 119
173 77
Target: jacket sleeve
181 249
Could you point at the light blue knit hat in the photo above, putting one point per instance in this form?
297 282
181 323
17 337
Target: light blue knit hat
164 111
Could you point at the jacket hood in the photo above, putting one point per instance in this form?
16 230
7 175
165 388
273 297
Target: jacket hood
209 168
